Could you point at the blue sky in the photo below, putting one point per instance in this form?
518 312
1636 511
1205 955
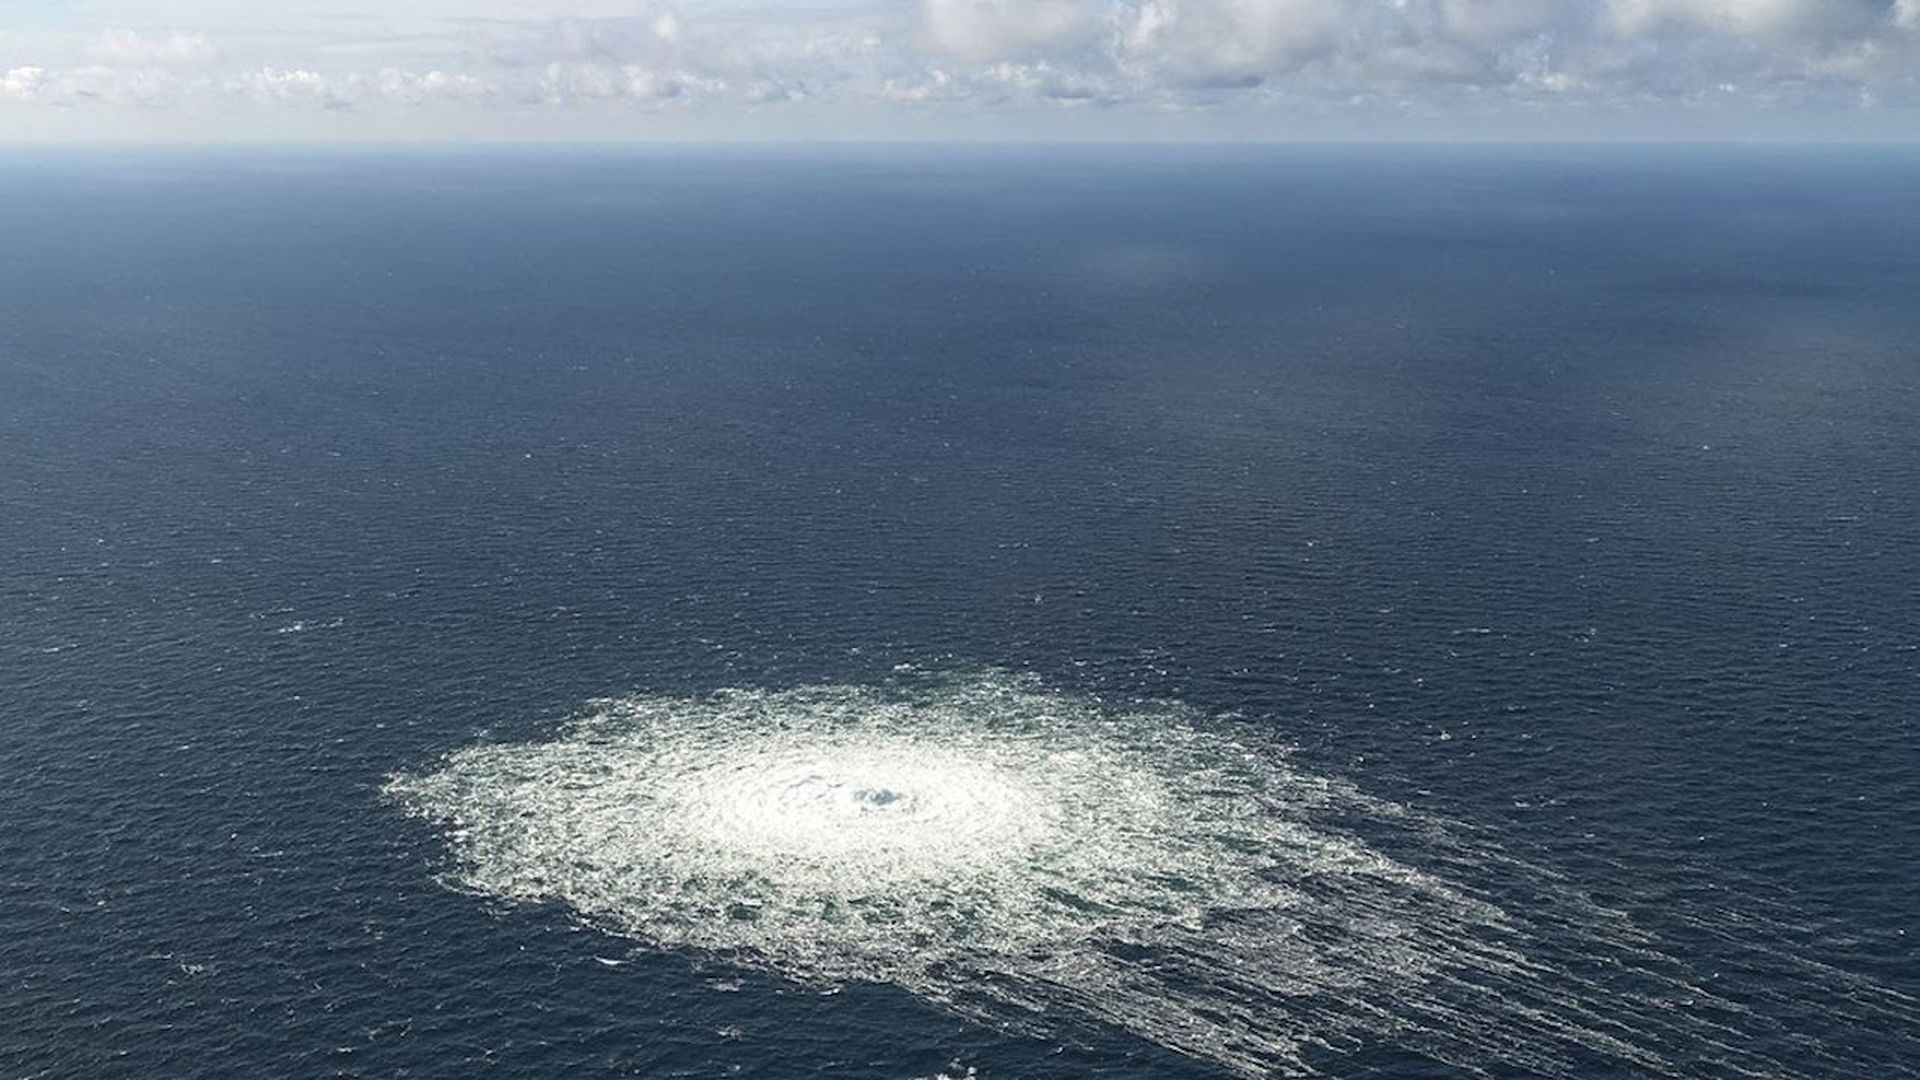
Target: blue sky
201 70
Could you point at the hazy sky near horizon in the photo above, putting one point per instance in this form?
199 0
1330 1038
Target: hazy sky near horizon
197 70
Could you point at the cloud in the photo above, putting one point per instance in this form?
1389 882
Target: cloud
388 86
1007 29
273 86
1226 42
519 61
410 88
1783 21
565 83
22 83
94 85
1492 21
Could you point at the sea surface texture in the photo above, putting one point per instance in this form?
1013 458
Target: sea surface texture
1013 614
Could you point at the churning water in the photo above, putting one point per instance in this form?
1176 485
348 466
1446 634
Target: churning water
1021 855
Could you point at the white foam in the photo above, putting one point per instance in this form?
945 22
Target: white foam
1026 856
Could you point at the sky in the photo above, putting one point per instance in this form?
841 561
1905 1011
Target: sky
196 71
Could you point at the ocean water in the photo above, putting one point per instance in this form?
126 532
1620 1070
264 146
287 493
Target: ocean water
892 613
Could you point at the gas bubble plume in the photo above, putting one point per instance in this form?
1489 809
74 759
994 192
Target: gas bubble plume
1035 858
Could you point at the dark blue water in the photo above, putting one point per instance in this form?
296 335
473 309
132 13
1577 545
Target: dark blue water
1569 496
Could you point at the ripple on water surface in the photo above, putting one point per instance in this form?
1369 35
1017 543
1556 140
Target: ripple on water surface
1018 854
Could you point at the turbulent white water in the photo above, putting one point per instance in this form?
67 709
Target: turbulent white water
1032 857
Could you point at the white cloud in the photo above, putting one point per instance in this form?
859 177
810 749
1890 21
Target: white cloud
22 83
1006 29
565 83
410 88
94 85
1217 42
519 63
297 86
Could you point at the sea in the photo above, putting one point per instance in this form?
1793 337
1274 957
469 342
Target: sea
901 612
